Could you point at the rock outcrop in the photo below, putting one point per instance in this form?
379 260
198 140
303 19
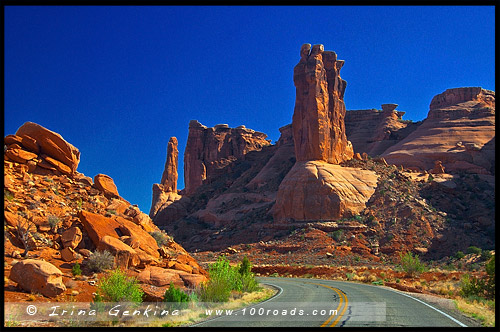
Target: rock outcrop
318 118
170 175
42 150
59 217
459 131
209 150
318 191
165 193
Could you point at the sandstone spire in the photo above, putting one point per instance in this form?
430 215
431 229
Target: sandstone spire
318 118
169 177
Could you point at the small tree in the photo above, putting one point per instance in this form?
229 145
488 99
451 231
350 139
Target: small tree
25 230
411 264
117 287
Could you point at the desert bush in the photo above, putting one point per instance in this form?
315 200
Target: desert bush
76 270
459 255
223 279
336 235
100 261
176 298
411 264
117 287
472 287
474 250
53 221
160 238
486 255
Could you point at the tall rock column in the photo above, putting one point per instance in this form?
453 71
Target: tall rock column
169 177
317 188
165 192
318 118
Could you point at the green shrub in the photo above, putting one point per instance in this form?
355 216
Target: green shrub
223 279
161 238
53 221
486 255
472 287
176 299
336 235
117 287
474 250
76 270
245 266
411 264
100 261
459 255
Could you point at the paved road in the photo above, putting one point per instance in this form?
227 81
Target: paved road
328 303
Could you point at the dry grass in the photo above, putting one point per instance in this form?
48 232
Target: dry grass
478 310
236 302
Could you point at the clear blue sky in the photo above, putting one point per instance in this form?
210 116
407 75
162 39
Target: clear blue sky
117 82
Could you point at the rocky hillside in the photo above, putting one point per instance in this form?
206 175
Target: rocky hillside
436 200
55 217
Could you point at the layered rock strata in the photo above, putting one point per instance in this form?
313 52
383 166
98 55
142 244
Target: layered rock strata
459 131
208 150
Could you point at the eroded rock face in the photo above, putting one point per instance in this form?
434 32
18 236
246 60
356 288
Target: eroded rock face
209 150
39 139
38 276
315 190
459 131
318 118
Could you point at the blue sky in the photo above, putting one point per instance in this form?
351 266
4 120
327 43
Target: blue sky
117 82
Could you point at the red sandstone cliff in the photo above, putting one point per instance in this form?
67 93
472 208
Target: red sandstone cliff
208 150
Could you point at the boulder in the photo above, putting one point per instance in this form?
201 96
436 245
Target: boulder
71 238
68 254
19 155
106 185
38 276
159 277
51 144
115 246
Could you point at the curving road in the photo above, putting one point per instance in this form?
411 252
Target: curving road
326 303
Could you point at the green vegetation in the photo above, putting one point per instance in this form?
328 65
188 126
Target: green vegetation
100 261
117 287
8 195
336 235
474 250
53 221
224 279
473 288
76 270
459 255
411 264
160 237
486 255
176 298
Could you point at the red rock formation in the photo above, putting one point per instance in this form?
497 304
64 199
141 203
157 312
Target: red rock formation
318 118
36 138
169 177
106 185
209 150
374 131
459 131
316 190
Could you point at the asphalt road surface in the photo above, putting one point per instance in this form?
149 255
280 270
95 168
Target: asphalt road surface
324 303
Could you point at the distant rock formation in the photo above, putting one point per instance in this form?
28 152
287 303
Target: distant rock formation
165 192
373 131
208 150
459 131
318 118
315 188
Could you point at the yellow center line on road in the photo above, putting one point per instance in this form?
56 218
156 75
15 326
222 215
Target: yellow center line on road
342 296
